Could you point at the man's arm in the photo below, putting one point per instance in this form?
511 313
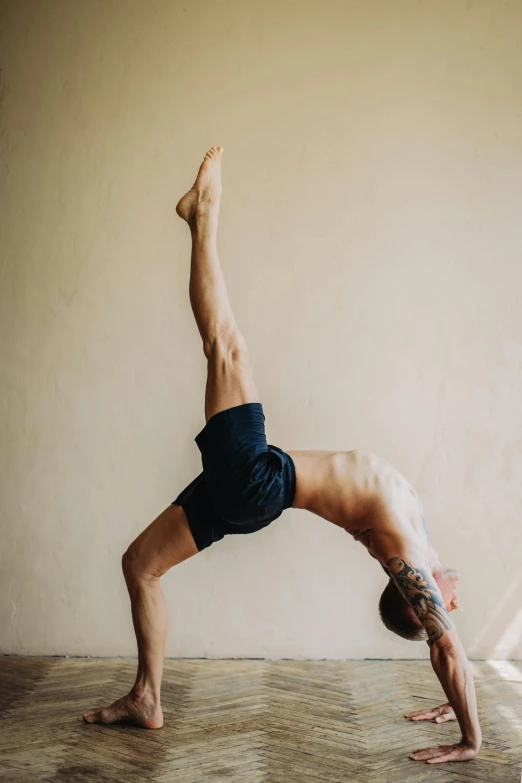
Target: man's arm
448 658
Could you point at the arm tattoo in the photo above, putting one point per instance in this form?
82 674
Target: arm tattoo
421 591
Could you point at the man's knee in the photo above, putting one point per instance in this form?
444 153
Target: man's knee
135 565
227 345
130 563
140 563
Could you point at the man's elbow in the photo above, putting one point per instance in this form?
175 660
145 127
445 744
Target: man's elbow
447 643
446 651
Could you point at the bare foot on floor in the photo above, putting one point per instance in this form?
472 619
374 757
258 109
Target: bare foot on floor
205 193
143 711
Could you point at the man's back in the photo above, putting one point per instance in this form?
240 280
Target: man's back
364 495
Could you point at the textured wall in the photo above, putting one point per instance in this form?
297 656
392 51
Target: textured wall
370 237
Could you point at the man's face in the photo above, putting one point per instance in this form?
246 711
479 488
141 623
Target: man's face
448 588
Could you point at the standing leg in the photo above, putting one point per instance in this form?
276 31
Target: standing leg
165 543
229 380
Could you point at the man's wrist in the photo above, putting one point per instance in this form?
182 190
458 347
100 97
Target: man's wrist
472 740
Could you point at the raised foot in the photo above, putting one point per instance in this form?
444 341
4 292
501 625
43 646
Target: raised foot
144 711
204 196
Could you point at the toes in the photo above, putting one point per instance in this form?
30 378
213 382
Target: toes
106 715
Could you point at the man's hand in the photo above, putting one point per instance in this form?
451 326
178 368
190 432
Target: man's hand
460 752
438 714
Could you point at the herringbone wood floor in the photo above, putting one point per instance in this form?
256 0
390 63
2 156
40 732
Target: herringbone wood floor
249 722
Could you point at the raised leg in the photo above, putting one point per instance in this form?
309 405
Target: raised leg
229 380
165 543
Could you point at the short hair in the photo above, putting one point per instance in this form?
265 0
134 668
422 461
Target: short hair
398 616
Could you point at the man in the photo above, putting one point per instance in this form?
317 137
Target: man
246 484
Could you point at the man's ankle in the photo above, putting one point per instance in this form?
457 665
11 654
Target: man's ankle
143 691
204 220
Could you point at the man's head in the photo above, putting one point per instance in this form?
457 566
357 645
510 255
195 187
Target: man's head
399 617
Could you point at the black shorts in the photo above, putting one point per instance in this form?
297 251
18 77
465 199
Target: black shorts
245 483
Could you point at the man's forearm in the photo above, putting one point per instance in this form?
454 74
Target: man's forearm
454 672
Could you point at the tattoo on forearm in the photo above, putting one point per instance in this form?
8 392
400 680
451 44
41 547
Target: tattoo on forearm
421 592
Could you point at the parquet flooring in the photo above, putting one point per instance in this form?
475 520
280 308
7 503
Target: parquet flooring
249 722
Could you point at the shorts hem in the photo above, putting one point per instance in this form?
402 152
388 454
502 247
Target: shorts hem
200 545
293 480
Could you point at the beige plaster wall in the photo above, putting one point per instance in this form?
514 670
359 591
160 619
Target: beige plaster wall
370 237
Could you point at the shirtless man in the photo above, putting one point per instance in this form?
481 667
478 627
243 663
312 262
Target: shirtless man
246 484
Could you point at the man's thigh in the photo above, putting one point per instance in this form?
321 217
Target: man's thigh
164 543
230 381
